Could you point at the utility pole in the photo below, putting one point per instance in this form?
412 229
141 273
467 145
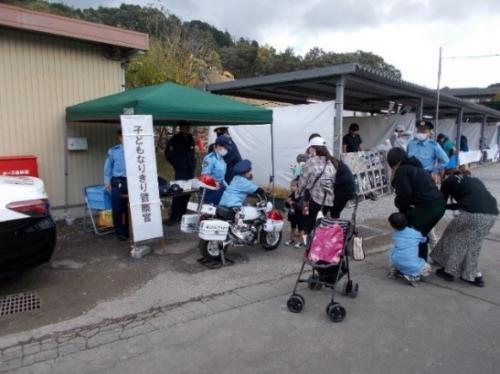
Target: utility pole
437 91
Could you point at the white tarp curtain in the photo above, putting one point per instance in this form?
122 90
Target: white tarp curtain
447 127
490 135
376 130
292 126
472 130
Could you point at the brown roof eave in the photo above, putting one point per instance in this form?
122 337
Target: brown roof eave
29 20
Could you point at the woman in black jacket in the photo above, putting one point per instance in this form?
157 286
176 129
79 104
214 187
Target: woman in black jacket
459 248
416 194
344 188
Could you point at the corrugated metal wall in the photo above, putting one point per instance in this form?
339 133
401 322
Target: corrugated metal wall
39 77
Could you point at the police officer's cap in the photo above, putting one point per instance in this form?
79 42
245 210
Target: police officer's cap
242 167
422 124
221 129
223 141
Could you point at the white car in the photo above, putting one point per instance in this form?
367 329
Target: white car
27 231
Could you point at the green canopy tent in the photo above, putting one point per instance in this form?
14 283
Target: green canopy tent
169 103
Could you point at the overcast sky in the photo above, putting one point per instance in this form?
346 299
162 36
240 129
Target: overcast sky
406 33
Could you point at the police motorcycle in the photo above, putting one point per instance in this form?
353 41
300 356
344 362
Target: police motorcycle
220 227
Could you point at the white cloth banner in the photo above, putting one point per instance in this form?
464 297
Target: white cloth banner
142 177
292 126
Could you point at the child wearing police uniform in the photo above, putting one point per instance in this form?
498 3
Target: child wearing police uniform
215 166
241 185
403 256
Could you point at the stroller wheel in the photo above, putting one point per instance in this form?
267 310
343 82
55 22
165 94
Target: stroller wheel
347 288
354 291
313 283
336 312
295 303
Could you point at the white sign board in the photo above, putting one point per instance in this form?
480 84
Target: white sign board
142 177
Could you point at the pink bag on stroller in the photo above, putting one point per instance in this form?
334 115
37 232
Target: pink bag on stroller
327 244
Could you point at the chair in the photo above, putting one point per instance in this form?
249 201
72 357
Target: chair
97 200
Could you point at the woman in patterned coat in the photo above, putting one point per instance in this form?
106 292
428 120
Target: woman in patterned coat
458 250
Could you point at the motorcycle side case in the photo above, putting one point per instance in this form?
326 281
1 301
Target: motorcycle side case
272 225
213 230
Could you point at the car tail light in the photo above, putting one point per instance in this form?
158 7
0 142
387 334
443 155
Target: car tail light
275 215
32 208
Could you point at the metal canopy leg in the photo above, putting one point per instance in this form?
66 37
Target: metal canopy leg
338 122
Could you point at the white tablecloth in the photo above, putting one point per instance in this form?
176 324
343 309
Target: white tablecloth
470 157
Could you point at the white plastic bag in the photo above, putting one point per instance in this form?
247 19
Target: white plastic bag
357 249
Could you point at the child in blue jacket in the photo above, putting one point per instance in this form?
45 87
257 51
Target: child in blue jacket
403 256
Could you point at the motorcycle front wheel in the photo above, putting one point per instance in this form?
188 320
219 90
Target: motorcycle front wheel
270 240
211 249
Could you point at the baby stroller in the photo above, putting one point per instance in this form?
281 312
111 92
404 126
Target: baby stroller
327 255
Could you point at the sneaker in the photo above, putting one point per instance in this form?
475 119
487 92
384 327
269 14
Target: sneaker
426 270
392 273
290 243
478 281
443 274
299 245
411 279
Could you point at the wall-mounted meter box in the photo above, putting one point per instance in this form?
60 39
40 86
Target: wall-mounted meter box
77 144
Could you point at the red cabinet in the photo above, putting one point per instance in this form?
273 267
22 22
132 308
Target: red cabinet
19 165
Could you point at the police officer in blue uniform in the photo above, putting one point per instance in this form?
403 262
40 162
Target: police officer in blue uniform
430 154
241 186
233 154
115 182
180 153
215 166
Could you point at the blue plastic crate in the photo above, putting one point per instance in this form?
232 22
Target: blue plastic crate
98 198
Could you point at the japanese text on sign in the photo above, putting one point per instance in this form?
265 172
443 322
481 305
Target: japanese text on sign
140 160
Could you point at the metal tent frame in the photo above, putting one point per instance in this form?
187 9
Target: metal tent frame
356 88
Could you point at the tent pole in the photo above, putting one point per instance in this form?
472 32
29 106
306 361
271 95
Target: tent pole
459 130
66 171
436 125
482 144
420 109
339 112
271 178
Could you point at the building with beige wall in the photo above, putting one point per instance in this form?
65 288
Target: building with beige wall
47 63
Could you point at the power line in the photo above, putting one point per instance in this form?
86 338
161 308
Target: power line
471 56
